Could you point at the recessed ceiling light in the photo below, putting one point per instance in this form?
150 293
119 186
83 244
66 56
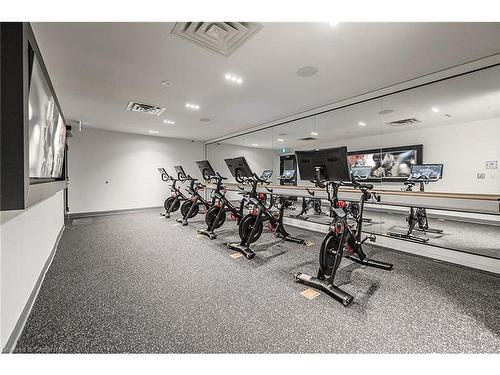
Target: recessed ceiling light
314 133
166 121
232 78
435 109
361 123
205 119
192 106
153 132
255 145
280 140
307 71
167 83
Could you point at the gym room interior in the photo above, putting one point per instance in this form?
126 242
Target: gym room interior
250 187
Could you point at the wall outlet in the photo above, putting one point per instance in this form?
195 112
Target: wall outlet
481 176
492 164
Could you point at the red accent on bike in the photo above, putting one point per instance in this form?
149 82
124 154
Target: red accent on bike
262 196
341 204
234 217
349 248
272 227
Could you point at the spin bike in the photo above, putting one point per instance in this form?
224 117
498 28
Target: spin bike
191 207
421 174
215 216
173 202
251 226
331 170
310 203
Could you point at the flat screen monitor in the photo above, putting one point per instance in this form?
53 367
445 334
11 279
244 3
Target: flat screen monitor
426 172
206 169
331 162
239 168
181 175
361 172
47 131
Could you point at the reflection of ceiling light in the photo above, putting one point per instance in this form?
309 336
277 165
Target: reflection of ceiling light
255 145
314 133
280 140
361 123
333 24
165 121
386 111
435 109
316 149
230 77
307 71
153 132
167 83
194 107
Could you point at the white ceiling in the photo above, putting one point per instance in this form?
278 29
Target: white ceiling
97 68
467 98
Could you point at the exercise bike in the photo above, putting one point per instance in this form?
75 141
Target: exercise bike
191 207
360 172
330 169
421 174
173 202
251 226
216 215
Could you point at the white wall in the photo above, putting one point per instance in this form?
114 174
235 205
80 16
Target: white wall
27 238
129 163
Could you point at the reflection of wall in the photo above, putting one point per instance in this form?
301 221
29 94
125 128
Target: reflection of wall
258 159
129 163
462 148
27 239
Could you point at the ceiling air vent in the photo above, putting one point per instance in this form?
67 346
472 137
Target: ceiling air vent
221 37
404 122
145 108
307 139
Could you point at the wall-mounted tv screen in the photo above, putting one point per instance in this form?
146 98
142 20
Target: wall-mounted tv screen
47 131
387 164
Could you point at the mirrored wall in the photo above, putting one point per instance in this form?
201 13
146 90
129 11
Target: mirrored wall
453 122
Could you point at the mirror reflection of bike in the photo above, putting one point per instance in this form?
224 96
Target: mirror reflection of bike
417 217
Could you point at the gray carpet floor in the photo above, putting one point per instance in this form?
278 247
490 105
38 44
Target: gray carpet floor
138 283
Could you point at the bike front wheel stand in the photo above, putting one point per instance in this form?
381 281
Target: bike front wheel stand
330 289
371 263
245 250
207 233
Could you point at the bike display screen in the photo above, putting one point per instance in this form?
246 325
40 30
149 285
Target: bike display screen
266 174
361 172
423 172
288 174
